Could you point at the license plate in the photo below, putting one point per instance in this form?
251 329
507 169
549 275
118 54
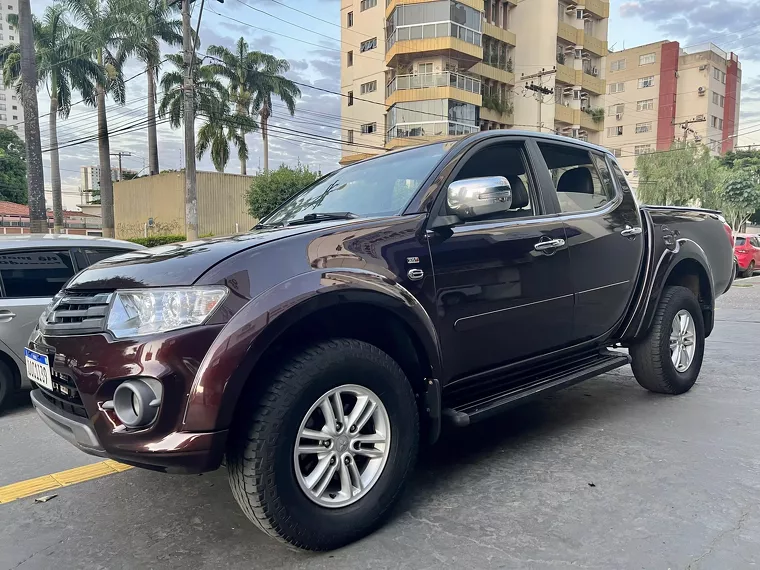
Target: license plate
38 368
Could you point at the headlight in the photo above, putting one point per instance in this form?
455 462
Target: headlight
137 312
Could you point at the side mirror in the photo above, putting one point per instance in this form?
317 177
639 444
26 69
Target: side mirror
477 197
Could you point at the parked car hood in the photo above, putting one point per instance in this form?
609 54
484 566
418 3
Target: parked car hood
179 264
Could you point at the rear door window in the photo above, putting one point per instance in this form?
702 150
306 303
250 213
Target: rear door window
740 241
99 254
37 273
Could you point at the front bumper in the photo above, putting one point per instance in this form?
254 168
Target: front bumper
86 370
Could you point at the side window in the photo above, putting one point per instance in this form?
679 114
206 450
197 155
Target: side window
576 178
622 180
35 273
754 241
509 161
95 255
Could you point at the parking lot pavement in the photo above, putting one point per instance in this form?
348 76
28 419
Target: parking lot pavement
603 475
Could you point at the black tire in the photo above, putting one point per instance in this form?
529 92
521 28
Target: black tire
652 364
7 385
260 455
750 269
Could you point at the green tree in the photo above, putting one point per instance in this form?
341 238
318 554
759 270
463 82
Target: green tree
107 26
220 129
13 186
209 90
740 192
238 68
685 175
270 189
154 24
63 69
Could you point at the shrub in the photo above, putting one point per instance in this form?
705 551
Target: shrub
153 241
270 189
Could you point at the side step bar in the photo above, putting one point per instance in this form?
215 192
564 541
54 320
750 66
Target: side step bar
466 413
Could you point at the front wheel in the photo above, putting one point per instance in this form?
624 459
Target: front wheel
668 359
325 451
750 269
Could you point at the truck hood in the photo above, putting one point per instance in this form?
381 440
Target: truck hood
182 263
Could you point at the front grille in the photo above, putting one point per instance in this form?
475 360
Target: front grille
65 395
77 313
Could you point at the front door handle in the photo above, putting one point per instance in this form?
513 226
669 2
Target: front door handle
630 232
549 244
6 316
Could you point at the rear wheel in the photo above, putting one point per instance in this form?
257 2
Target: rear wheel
325 452
668 359
750 270
7 385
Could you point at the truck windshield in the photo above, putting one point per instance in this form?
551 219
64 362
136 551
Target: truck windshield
378 187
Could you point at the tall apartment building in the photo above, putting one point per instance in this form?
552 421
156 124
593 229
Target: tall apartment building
90 177
661 93
11 113
419 70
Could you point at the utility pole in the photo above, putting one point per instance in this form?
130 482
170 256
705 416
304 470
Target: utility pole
191 190
36 181
687 129
539 89
120 154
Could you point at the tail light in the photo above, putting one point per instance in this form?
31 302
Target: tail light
729 231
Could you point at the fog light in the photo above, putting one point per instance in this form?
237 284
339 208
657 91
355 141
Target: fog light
136 402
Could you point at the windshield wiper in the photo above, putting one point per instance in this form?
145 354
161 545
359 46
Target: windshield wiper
322 216
267 226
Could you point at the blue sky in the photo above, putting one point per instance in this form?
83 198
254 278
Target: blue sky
312 45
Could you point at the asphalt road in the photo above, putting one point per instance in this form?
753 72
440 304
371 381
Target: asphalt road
603 475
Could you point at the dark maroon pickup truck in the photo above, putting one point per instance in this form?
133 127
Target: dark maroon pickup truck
443 283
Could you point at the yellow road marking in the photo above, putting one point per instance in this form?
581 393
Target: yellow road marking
58 480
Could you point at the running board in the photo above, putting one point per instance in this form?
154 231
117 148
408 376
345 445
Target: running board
465 413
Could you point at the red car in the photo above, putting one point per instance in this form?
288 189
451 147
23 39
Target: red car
747 252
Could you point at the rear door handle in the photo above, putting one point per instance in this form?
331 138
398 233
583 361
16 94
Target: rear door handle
6 316
630 232
549 244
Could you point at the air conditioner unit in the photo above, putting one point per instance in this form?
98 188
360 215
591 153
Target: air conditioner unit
584 95
697 138
570 50
567 91
587 17
582 132
595 72
702 67
701 91
570 9
700 117
619 116
586 56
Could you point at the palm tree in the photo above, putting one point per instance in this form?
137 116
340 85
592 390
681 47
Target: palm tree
222 128
208 90
154 24
107 25
268 81
63 68
237 68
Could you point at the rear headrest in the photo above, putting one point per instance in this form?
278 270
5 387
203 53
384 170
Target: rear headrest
577 180
520 198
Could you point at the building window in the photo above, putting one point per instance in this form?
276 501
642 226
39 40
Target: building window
617 153
617 65
367 4
14 107
369 128
647 58
719 99
642 149
2 106
349 19
616 109
646 82
13 97
719 75
615 131
579 14
645 105
617 87
368 45
350 98
368 87
3 117
643 127
11 38
350 136
15 117
349 59
716 122
2 96
434 20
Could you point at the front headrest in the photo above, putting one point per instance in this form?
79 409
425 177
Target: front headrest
577 180
520 198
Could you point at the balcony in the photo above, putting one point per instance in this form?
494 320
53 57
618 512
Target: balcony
586 121
566 74
499 33
415 134
498 111
592 44
428 86
401 51
390 5
490 72
590 83
568 33
564 114
599 8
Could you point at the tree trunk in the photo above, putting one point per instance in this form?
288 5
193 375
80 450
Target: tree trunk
104 150
55 165
35 177
152 137
265 136
241 111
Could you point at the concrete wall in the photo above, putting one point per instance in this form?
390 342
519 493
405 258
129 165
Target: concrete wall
221 204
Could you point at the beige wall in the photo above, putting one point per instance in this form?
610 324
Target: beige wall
221 204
